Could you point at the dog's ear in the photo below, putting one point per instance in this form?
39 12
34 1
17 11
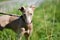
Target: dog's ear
33 7
22 9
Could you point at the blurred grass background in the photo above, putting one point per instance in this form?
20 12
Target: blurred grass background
46 23
3 0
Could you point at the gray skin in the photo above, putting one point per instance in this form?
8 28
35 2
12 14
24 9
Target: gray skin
22 24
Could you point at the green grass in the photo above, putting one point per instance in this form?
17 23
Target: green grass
46 23
3 0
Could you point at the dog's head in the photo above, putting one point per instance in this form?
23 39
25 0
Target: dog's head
28 13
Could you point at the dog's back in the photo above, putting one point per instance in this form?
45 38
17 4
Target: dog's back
13 22
4 20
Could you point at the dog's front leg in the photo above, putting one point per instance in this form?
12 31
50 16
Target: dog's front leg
30 30
28 34
22 33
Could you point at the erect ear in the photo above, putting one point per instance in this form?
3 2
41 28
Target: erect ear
22 9
33 7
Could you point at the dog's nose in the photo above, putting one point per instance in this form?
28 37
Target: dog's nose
28 22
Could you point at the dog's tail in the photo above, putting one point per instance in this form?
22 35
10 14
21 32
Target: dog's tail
8 14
